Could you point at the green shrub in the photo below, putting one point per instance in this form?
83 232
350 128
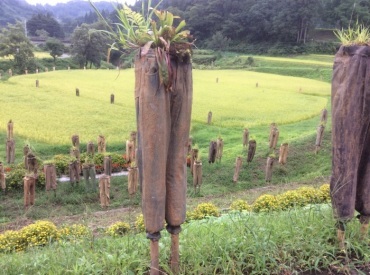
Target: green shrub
118 229
202 211
265 203
14 177
204 59
62 164
240 205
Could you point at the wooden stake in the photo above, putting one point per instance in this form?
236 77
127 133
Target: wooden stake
112 99
319 137
209 119
197 175
238 165
194 157
75 141
269 166
251 150
101 144
219 149
154 257
274 136
341 239
175 253
132 179
324 116
245 137
283 153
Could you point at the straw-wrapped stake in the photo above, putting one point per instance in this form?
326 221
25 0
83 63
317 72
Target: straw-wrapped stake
274 136
283 153
212 151
112 99
101 144
31 163
75 141
37 83
130 151
75 153
10 151
220 148
324 116
133 180
197 175
108 165
245 137
209 119
74 172
50 177
319 137
77 92
29 186
89 174
2 177
26 150
269 166
104 188
90 148
190 142
251 150
238 165
10 130
194 157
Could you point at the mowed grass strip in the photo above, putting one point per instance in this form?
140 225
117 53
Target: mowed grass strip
53 112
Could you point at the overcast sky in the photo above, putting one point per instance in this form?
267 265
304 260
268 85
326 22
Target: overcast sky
54 2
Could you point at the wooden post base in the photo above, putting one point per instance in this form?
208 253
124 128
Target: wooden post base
175 255
341 238
154 257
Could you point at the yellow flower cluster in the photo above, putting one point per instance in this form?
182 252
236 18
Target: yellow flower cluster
118 229
73 232
139 223
38 234
240 205
203 210
291 198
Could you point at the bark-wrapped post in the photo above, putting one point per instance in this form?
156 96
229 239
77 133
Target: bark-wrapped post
238 165
32 164
269 165
163 111
274 136
212 151
251 150
245 137
10 151
219 148
75 152
319 137
29 186
133 180
89 174
324 116
283 153
10 127
77 92
90 148
37 83
193 157
350 180
209 118
108 165
50 177
130 151
197 175
74 172
104 188
190 144
101 144
75 141
2 178
26 150
112 99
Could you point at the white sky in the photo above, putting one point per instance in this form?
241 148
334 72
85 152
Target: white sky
54 2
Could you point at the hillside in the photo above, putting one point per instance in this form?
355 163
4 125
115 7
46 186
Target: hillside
12 10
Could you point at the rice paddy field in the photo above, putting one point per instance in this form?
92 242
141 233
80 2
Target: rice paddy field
52 113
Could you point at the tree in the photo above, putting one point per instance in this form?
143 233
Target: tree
89 45
56 48
15 45
44 22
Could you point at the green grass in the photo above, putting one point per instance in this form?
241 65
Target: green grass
290 242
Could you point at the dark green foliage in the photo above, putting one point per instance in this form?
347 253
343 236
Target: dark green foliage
44 22
56 48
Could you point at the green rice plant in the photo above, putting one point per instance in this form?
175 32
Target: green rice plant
118 229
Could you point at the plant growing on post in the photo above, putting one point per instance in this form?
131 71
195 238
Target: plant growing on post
163 75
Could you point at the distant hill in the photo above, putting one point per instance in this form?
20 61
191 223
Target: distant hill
12 10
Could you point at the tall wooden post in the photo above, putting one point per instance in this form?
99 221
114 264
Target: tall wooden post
251 150
209 118
283 153
29 184
324 116
104 187
238 165
132 180
197 175
101 144
274 136
269 166
319 137
50 177
112 99
212 151
75 141
90 148
220 148
108 165
245 137
10 127
194 157
130 151
10 150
